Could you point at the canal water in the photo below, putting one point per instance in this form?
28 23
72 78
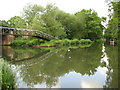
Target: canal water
92 67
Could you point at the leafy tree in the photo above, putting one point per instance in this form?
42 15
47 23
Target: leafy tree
71 24
54 27
44 19
16 22
3 23
93 28
84 24
30 12
112 28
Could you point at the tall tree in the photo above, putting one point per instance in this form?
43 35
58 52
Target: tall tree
44 19
112 28
54 27
71 24
30 12
93 29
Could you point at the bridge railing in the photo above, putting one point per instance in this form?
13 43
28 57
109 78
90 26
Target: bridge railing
20 31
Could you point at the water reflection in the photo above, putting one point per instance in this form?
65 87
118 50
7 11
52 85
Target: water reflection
92 67
112 74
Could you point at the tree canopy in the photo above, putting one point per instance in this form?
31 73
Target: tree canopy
92 27
50 19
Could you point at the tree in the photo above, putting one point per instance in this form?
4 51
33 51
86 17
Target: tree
3 23
16 22
54 27
112 28
30 12
93 28
44 19
84 24
71 24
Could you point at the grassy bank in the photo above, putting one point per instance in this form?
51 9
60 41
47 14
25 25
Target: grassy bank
67 42
41 43
27 42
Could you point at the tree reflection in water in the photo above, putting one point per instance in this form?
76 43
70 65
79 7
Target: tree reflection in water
112 74
47 67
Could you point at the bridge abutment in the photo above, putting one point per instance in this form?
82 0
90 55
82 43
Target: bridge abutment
7 39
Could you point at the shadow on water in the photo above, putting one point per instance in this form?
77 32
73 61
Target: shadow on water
39 68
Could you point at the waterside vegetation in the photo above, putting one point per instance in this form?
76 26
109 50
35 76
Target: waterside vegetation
7 76
53 43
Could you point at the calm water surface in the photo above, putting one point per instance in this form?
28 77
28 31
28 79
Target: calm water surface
93 67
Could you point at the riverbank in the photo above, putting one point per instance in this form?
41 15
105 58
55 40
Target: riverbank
52 43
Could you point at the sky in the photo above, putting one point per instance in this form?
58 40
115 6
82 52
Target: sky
11 8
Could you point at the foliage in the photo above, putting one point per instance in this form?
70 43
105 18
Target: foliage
84 24
67 42
112 30
27 42
71 24
44 19
85 41
3 23
92 27
31 12
16 22
8 77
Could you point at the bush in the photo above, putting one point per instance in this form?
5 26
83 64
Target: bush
74 42
65 42
85 41
27 42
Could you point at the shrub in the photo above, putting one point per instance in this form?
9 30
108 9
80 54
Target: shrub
74 42
27 42
65 42
85 41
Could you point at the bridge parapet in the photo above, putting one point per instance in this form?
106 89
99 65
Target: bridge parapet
26 32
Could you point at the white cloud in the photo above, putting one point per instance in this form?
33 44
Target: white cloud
90 84
10 8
